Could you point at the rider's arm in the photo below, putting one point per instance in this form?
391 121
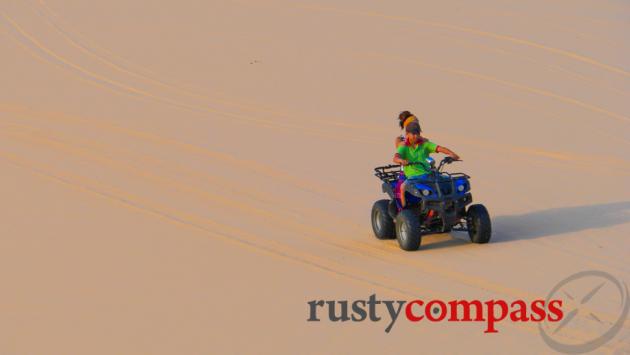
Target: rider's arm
400 155
447 151
399 160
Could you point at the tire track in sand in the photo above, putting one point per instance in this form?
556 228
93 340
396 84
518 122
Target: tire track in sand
503 82
313 211
469 30
314 234
230 235
48 15
27 40
249 165
551 154
237 236
519 56
322 213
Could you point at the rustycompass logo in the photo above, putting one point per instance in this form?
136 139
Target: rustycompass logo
580 314
491 312
595 304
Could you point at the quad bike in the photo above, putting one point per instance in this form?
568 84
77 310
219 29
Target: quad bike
434 203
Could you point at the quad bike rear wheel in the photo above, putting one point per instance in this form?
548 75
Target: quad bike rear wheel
382 223
478 223
408 230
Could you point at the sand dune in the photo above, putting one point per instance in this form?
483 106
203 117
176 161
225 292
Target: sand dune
184 177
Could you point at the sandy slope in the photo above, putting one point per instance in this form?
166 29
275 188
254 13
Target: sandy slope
184 177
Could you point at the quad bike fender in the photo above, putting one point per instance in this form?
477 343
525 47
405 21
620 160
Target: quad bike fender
389 190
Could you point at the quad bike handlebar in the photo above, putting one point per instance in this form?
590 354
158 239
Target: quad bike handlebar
445 161
389 173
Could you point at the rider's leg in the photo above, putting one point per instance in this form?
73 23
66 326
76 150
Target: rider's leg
402 194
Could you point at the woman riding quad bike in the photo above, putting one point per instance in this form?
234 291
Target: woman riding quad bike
423 198
413 154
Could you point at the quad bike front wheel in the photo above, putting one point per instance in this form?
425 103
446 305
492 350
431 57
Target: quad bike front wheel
408 230
382 223
478 223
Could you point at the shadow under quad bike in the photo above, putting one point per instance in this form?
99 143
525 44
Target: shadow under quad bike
435 203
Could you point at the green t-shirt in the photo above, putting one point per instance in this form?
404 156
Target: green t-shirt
419 154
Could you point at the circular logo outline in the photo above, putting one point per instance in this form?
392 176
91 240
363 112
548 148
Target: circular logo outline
602 339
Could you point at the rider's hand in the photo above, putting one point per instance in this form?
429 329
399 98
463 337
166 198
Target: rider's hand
404 162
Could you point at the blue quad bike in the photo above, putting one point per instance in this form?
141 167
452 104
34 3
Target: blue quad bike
435 203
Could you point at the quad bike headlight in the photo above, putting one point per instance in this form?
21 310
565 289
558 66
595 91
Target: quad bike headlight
461 188
426 192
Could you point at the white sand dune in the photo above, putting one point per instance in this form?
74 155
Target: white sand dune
182 177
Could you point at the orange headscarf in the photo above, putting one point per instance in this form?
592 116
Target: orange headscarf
408 120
